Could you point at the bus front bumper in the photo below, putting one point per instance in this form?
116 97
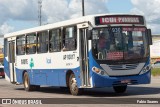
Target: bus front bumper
106 81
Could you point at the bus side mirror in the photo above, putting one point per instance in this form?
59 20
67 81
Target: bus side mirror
89 34
149 35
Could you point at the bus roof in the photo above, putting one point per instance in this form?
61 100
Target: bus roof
61 24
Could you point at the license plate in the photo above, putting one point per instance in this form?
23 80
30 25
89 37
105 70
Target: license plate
126 81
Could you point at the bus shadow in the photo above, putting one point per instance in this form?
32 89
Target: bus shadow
56 90
103 92
53 90
131 91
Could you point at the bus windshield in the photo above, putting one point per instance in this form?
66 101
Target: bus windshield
120 43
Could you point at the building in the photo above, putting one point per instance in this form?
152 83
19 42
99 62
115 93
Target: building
155 49
1 54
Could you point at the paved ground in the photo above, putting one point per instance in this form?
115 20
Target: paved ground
139 92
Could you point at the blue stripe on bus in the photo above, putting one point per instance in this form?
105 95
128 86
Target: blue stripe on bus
58 78
53 77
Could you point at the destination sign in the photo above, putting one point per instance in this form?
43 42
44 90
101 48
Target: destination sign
134 29
102 20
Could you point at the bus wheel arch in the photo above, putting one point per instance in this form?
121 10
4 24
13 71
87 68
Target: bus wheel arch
23 74
69 72
72 84
26 83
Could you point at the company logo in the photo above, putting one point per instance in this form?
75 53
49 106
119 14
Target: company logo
31 63
6 101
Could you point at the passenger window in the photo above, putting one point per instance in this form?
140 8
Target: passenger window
42 44
20 46
70 38
55 40
31 43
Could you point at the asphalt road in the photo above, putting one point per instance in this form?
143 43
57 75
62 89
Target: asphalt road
92 96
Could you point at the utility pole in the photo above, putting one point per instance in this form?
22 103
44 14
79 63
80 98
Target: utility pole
40 12
83 14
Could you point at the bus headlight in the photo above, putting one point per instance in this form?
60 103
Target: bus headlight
99 71
145 69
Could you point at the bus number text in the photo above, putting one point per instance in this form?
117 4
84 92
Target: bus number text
69 57
24 61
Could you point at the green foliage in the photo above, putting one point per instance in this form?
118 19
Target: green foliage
155 71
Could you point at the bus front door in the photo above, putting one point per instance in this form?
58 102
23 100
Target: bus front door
84 66
11 54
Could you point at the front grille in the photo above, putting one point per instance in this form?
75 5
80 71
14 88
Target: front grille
123 67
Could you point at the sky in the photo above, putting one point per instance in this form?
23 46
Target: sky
23 14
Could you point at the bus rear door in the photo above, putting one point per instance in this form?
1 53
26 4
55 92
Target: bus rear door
11 59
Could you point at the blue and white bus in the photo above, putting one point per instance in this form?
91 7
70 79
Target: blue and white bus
93 51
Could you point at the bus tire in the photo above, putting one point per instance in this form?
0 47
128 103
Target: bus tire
74 90
64 88
120 89
26 82
36 87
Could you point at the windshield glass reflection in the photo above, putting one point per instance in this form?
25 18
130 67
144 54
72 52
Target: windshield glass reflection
120 43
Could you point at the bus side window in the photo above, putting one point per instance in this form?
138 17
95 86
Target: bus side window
70 38
31 44
42 38
20 45
55 40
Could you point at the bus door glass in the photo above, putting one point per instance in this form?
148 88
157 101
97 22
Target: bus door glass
84 57
11 55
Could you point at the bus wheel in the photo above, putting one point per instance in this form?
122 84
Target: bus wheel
120 89
73 85
26 82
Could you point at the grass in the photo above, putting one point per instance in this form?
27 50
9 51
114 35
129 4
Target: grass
155 71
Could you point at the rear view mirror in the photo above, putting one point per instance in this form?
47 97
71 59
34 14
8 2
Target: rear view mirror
89 34
149 35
